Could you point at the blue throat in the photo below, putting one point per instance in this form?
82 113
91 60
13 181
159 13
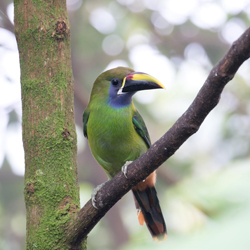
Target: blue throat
119 101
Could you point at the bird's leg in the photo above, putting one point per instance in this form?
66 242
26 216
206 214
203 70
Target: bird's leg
93 196
125 168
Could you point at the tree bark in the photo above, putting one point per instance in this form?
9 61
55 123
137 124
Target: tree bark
49 138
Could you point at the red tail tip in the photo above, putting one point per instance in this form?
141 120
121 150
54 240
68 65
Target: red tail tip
161 237
141 218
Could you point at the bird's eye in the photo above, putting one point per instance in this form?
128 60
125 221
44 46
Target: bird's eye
115 81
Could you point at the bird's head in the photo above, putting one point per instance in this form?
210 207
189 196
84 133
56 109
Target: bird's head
118 85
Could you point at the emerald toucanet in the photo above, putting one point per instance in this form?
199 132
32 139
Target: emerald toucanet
117 134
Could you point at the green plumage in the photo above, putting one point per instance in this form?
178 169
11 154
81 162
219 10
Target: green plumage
115 135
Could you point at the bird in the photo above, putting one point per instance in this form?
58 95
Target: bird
117 135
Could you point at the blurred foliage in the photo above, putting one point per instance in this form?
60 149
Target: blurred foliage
204 188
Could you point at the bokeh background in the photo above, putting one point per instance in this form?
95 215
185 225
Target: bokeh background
204 189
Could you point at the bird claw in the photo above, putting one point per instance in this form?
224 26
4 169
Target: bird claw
125 168
93 196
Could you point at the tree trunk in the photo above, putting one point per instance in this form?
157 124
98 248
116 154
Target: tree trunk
49 137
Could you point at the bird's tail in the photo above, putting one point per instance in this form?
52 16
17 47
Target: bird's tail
149 210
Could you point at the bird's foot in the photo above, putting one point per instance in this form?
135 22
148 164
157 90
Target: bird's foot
125 168
93 196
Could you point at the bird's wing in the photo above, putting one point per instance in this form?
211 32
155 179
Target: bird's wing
85 121
141 128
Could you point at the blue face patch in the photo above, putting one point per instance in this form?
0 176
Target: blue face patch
119 101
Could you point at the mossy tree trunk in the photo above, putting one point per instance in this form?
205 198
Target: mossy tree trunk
49 137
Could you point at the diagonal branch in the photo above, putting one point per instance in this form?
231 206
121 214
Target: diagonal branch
166 146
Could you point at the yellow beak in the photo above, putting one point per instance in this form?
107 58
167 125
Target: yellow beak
137 81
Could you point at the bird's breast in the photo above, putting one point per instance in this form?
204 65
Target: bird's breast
113 139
